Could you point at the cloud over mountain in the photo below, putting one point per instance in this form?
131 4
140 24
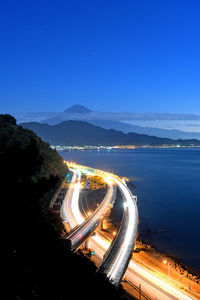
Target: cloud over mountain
143 123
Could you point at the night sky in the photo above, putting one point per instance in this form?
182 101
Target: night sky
139 56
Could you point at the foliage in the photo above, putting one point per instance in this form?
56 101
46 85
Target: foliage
35 263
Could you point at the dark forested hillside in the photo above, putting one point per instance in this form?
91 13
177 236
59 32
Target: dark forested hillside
34 262
27 154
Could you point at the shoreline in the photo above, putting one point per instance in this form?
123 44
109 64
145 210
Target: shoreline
63 148
184 276
173 259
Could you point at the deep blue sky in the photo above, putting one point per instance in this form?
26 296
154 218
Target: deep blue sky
128 55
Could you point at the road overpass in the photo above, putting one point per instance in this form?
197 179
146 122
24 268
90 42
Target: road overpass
80 234
117 257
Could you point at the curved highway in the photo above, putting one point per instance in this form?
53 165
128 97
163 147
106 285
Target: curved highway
79 235
70 211
152 285
116 259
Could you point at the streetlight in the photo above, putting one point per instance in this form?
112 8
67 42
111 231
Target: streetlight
168 266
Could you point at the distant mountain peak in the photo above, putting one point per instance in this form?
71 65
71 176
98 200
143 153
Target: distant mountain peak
80 109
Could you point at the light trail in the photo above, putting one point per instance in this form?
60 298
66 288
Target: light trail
75 200
152 285
79 235
70 211
130 234
117 257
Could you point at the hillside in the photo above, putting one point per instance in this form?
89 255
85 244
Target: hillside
78 133
34 262
153 131
125 122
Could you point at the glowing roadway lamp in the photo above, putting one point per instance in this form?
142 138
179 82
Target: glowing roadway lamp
168 266
164 261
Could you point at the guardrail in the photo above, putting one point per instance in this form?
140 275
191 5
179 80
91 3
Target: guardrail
139 293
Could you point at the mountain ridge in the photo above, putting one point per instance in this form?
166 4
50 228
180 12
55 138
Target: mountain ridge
80 133
118 121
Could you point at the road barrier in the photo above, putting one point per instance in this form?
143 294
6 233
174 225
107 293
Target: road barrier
139 293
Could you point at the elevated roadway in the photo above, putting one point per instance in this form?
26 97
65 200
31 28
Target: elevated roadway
117 257
82 232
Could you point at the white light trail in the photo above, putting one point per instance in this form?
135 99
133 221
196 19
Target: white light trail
134 270
131 231
75 200
70 211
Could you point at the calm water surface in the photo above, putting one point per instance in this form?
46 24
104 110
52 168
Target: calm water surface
168 189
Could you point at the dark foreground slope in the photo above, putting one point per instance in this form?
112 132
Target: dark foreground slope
34 262
78 133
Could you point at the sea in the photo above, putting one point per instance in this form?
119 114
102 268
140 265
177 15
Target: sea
167 185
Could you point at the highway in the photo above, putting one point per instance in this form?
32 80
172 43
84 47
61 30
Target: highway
82 232
117 257
70 211
152 285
